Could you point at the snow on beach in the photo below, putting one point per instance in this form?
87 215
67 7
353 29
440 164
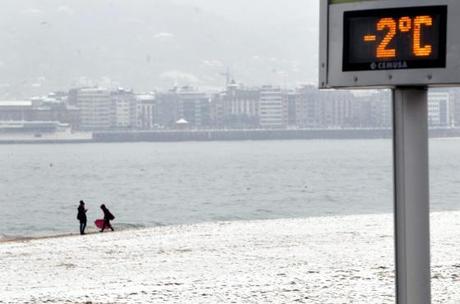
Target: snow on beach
314 260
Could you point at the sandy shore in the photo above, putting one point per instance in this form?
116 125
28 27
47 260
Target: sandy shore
316 260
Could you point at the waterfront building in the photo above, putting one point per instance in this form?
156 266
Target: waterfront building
217 110
307 107
39 109
370 109
382 114
292 97
54 107
242 101
72 97
15 110
34 128
439 109
455 106
167 109
124 109
183 103
95 108
336 110
238 106
272 108
193 106
147 112
325 109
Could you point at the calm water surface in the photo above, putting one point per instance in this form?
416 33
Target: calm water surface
146 184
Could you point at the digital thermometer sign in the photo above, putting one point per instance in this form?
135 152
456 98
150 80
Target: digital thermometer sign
395 38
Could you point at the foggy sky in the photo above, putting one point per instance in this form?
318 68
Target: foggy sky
147 44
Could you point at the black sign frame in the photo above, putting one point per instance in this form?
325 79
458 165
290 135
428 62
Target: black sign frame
396 64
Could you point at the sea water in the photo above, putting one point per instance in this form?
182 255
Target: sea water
152 184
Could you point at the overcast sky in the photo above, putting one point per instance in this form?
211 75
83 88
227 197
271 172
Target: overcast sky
154 44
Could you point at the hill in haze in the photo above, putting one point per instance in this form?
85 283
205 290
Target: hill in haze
146 44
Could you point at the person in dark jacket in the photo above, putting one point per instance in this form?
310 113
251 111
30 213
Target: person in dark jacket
81 216
108 216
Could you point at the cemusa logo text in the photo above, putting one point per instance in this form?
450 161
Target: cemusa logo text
389 65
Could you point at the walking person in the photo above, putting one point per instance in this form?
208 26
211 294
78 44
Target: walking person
108 216
81 216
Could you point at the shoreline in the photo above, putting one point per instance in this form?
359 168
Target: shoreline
93 231
89 232
24 239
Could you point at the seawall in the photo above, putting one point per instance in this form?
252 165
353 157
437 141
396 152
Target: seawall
224 135
238 135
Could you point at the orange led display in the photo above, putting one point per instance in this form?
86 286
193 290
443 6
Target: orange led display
418 23
370 38
405 24
402 38
382 50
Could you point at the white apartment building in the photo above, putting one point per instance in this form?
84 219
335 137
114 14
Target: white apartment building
124 105
242 101
95 108
272 108
439 109
147 112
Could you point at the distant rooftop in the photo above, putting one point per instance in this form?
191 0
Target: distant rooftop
142 97
15 103
94 89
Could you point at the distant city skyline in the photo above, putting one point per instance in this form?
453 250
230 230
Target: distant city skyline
235 106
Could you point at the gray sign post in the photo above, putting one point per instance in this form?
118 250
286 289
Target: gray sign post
411 191
406 46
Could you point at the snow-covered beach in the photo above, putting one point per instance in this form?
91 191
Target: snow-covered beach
314 260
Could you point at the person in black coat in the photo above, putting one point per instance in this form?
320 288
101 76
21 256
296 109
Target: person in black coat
81 216
108 216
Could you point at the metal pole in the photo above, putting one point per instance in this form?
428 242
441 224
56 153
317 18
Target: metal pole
411 191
